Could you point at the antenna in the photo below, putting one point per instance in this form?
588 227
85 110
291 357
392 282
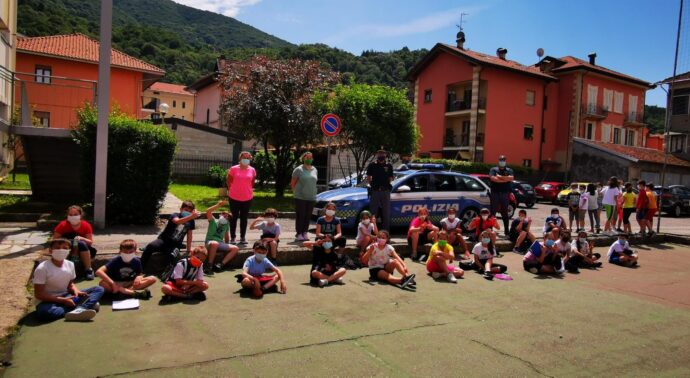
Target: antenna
461 20
540 52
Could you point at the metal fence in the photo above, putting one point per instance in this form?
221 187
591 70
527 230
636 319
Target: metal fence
195 167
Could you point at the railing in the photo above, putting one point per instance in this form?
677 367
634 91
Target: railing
460 105
634 117
595 110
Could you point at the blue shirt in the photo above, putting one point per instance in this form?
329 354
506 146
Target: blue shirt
118 270
256 268
328 228
556 220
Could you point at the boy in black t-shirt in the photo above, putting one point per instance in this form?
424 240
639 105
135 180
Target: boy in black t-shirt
573 199
180 225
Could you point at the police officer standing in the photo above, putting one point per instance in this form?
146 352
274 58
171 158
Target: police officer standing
379 177
501 178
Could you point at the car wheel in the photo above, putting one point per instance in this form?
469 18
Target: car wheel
467 216
677 211
529 204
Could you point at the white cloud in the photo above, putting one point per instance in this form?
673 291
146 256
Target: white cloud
228 8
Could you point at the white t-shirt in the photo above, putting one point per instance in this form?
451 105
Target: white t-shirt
584 248
368 229
610 195
593 202
562 248
617 247
450 225
55 278
481 252
380 257
584 202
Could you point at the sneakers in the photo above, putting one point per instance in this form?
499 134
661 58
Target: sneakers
339 281
451 278
97 307
208 271
305 235
323 283
217 267
533 270
488 276
573 270
300 237
80 314
407 280
436 275
650 234
414 257
422 259
597 264
88 275
619 230
200 296
143 294
233 241
243 241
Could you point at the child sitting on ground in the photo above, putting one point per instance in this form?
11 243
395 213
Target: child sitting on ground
541 258
54 287
440 261
366 231
80 232
620 252
563 249
383 260
520 233
421 232
254 276
123 275
270 232
452 225
187 278
325 268
483 258
217 238
581 254
485 222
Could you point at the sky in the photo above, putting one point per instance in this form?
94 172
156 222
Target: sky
634 37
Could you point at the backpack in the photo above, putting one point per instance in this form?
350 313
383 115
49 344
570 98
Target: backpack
175 256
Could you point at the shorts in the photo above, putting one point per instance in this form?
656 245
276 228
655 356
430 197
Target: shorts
615 259
423 238
572 213
222 247
650 214
174 286
125 284
432 267
627 211
641 214
610 211
581 215
527 265
374 273
513 236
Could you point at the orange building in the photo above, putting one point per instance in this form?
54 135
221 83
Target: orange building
59 74
474 106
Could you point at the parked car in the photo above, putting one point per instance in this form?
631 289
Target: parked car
548 190
563 194
351 180
674 200
345 182
435 190
524 193
513 201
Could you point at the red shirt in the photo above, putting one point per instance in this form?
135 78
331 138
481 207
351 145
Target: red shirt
418 222
642 200
474 224
66 229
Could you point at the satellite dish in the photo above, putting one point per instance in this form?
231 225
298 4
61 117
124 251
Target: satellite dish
540 52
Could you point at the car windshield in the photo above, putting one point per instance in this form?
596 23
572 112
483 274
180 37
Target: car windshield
545 186
526 186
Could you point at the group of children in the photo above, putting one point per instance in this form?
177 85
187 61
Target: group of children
124 275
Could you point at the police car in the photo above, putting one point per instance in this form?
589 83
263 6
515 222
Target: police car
412 189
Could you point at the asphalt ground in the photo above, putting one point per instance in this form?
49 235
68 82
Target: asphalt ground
611 321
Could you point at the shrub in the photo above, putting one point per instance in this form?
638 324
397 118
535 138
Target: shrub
265 165
470 167
140 156
217 176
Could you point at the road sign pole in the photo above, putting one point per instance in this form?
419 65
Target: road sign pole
103 111
328 161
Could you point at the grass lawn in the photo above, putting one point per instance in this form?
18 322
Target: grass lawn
21 182
204 196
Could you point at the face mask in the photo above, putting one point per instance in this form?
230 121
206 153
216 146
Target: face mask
555 215
330 213
486 240
59 254
270 220
485 217
222 221
521 218
621 241
327 245
550 243
582 239
308 161
451 216
185 214
501 164
244 161
195 261
74 219
381 242
381 159
442 243
259 257
366 221
422 217
127 257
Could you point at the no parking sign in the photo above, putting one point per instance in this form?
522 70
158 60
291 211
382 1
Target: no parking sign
330 125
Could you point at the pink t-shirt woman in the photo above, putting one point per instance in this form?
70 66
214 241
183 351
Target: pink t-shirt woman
241 182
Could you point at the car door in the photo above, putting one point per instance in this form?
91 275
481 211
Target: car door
443 194
407 197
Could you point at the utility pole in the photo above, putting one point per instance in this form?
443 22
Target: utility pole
103 112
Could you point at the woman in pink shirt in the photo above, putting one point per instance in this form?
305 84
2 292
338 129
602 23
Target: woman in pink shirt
241 180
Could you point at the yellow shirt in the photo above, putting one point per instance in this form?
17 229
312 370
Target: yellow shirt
652 199
629 200
436 247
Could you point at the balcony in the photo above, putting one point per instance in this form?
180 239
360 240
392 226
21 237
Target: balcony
452 142
592 111
462 108
634 119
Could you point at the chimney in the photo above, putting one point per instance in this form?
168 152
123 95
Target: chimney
460 40
592 58
501 53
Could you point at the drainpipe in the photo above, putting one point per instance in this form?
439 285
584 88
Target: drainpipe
541 128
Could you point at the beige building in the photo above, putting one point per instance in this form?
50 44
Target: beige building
8 37
180 101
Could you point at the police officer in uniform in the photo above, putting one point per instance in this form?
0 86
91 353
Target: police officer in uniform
379 177
501 178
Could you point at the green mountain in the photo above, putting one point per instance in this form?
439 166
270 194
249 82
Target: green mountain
654 117
186 41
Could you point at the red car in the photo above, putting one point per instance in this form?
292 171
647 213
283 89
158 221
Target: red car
548 190
513 201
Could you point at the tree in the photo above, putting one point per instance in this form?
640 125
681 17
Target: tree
271 101
374 117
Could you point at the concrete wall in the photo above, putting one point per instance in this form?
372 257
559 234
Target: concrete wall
207 100
592 165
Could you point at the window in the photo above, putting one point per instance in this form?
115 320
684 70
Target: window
618 103
605 133
43 118
526 162
465 135
608 99
528 132
443 183
632 106
589 131
184 104
529 99
174 104
208 116
616 135
680 105
427 95
592 93
43 74
417 183
468 184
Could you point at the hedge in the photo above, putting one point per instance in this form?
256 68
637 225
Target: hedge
140 159
470 167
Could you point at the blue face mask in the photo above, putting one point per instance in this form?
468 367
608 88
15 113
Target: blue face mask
501 163
244 161
259 257
621 241
185 214
327 245
486 240
550 243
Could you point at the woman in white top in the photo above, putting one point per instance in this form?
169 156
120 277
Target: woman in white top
610 195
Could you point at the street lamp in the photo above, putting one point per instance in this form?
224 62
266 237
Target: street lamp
163 108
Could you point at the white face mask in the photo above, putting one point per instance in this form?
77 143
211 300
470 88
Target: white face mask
259 257
485 217
270 220
222 220
59 254
74 219
451 216
366 221
244 161
330 213
127 257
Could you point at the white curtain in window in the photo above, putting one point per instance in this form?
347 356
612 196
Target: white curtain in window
608 99
618 103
